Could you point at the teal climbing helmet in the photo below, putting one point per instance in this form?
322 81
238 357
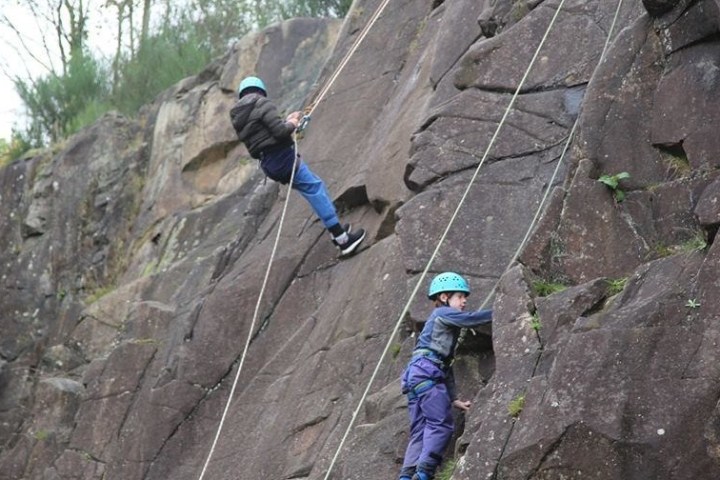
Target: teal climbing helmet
251 82
448 282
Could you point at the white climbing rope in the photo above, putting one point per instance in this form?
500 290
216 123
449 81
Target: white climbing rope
346 58
320 96
440 242
557 168
435 252
255 314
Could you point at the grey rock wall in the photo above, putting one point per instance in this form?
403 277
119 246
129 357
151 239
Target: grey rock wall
133 255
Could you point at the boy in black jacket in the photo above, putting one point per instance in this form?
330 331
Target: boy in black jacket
269 139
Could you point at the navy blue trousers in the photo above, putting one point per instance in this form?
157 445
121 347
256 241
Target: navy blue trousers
278 166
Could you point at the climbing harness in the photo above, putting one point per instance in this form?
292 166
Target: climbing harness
418 390
430 355
452 219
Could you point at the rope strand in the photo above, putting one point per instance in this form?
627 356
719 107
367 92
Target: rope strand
347 56
255 315
435 251
440 242
320 97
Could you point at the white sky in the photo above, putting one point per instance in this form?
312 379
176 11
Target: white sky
11 106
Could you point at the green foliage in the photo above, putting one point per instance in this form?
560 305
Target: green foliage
516 405
693 244
4 153
676 160
692 303
95 109
613 183
662 250
543 288
680 165
54 102
535 323
617 285
446 472
42 435
519 10
212 25
20 143
395 350
98 293
269 11
162 61
183 42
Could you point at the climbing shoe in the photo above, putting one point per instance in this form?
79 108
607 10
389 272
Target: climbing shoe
349 241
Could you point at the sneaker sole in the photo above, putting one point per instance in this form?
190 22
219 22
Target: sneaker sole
351 248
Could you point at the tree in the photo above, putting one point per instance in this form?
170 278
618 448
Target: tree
55 101
54 98
148 57
314 8
268 11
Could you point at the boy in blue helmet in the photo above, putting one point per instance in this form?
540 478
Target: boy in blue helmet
269 139
428 380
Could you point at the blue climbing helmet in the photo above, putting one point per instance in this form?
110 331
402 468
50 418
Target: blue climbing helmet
251 82
448 282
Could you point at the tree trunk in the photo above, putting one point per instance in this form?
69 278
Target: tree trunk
147 4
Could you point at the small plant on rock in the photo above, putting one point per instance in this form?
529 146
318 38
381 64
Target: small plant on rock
694 244
535 322
692 303
543 288
516 405
662 250
617 285
447 470
613 183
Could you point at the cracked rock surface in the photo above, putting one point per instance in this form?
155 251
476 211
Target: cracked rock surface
132 257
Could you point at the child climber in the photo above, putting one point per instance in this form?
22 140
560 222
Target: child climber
269 139
428 379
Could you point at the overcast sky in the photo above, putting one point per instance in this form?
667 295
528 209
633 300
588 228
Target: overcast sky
11 106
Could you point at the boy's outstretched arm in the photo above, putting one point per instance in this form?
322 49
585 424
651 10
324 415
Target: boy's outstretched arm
458 318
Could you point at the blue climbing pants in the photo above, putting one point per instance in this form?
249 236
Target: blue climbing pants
278 166
430 411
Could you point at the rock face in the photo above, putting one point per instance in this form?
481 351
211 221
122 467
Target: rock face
134 253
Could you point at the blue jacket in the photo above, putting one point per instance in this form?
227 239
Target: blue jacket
442 328
435 347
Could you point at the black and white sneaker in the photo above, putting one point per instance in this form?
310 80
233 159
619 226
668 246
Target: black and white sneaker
351 242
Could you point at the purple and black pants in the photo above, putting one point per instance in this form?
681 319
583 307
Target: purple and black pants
430 411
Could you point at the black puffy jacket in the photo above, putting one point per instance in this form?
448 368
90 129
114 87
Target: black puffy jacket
258 125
